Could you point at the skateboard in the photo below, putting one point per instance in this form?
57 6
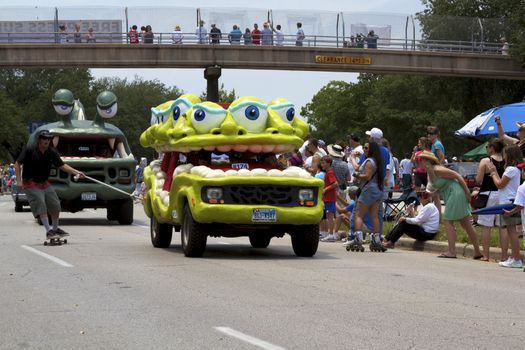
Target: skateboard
55 241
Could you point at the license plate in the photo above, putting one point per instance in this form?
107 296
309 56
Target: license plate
88 196
264 215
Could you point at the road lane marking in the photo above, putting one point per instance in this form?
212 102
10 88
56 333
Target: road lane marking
143 226
3 203
47 256
248 339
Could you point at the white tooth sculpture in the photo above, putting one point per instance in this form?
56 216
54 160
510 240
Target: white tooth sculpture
275 173
165 198
231 172
224 148
240 148
209 148
160 183
259 172
268 148
243 172
161 175
255 148
215 173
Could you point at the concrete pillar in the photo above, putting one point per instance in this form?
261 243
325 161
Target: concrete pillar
212 75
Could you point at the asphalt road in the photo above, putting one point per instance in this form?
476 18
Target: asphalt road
108 288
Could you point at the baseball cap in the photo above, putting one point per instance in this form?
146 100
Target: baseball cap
45 134
375 133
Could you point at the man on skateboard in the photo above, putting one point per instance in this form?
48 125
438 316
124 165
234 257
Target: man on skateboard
37 161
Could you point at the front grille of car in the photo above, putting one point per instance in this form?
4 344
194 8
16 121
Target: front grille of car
282 196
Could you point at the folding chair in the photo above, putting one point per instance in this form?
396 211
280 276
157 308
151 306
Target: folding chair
394 206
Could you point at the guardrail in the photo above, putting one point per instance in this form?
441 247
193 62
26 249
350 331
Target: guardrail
288 40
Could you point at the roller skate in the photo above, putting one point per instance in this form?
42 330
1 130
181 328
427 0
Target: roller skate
375 244
355 244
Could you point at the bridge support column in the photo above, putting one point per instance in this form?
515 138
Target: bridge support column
212 75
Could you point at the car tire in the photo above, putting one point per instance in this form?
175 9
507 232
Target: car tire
305 240
125 215
112 213
19 207
161 234
260 240
192 235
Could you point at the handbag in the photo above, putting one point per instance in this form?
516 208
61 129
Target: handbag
481 201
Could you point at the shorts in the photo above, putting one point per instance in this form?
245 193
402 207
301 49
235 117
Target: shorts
420 179
490 220
509 220
329 207
43 201
370 195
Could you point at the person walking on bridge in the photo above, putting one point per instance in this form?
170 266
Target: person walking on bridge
299 38
36 161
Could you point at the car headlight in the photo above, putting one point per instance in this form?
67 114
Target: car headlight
123 172
214 193
306 195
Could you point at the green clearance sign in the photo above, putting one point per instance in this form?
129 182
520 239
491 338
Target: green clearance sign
343 60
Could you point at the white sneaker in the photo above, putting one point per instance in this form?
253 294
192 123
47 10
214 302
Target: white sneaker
501 263
323 234
512 263
328 238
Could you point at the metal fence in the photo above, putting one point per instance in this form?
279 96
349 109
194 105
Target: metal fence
322 28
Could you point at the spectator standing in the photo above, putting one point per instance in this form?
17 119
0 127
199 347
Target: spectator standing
149 36
405 169
177 36
508 187
267 34
347 214
256 35
299 36
235 36
329 197
62 34
356 148
504 47
215 34
323 230
201 33
141 34
457 202
371 40
520 141
11 170
91 37
77 36
489 189
315 155
360 41
424 226
279 36
437 148
420 172
133 35
247 36
340 168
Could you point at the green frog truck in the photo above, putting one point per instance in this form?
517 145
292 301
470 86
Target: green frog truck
98 149
218 175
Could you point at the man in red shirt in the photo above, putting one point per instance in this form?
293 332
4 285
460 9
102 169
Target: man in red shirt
133 35
256 35
329 197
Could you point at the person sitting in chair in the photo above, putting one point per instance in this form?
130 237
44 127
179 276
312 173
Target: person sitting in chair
422 227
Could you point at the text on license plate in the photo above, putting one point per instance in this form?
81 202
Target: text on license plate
88 196
264 215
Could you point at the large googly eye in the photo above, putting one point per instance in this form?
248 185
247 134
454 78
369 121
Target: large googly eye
178 111
108 112
204 120
63 109
251 117
287 113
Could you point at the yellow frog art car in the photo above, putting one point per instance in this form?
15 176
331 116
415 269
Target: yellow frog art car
219 175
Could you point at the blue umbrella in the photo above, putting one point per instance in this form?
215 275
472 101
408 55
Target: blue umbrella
484 124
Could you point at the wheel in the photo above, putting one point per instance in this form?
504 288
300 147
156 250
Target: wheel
362 249
305 240
160 233
65 241
112 213
192 236
347 248
260 240
125 212
19 207
45 243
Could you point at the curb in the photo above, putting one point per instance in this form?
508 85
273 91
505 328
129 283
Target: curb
462 249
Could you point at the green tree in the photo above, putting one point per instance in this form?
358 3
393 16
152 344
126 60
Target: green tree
13 132
224 95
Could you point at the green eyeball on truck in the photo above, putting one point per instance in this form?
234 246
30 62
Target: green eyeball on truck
98 149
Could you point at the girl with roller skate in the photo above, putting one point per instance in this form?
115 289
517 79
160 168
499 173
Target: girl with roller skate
370 177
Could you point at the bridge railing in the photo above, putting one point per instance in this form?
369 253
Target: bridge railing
313 41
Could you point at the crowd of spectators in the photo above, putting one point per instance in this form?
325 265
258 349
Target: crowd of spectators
359 177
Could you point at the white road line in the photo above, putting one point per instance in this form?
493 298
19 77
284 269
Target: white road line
143 226
47 256
2 204
248 339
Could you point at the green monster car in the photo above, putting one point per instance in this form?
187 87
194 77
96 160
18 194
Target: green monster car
98 149
219 175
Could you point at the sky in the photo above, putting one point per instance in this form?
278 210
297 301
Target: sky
296 86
